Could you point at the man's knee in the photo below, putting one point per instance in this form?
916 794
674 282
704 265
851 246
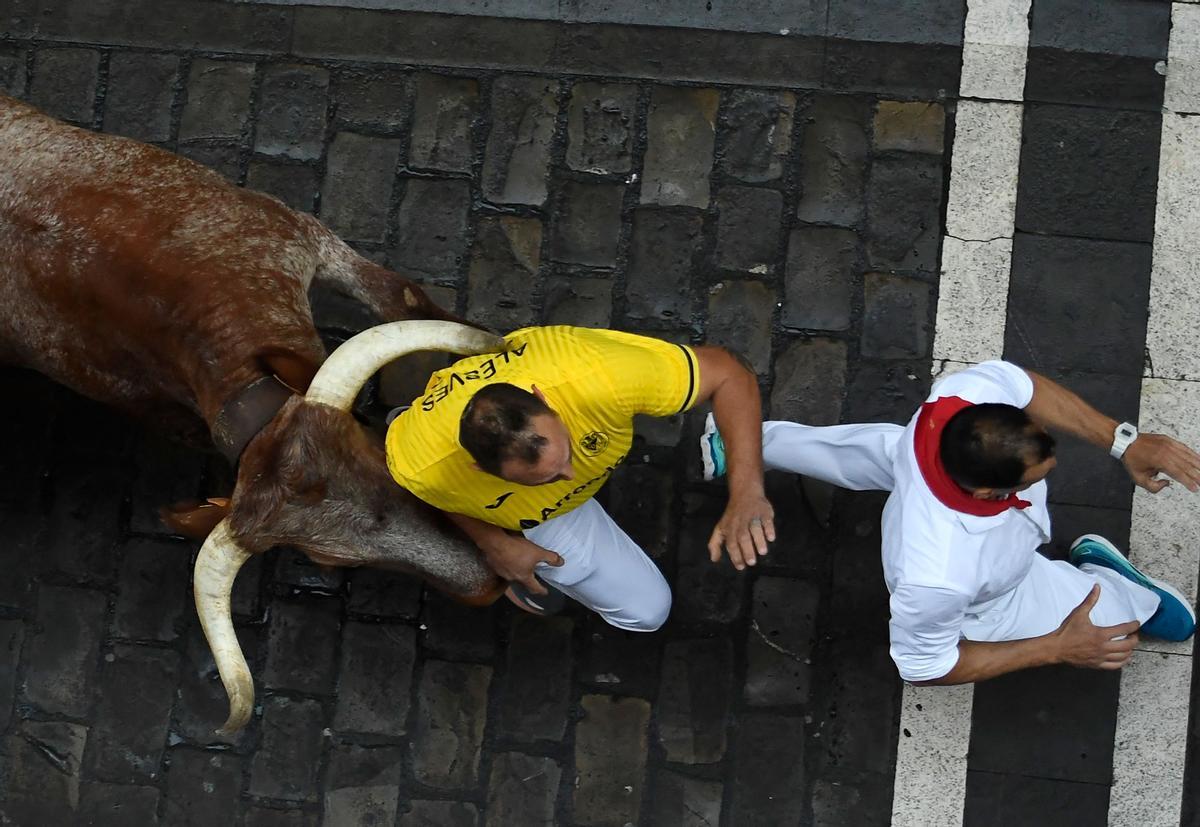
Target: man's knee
650 616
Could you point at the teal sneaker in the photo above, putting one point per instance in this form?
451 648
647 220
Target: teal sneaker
712 450
1175 618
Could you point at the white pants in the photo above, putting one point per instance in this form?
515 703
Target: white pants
603 568
861 458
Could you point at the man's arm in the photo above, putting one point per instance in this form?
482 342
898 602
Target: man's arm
1053 406
1077 641
748 523
510 555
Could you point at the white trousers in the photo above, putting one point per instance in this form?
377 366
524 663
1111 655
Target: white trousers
861 458
603 568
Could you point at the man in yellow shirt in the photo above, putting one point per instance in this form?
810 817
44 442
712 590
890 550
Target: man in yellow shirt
513 445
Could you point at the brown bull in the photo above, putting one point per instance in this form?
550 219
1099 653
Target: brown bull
146 281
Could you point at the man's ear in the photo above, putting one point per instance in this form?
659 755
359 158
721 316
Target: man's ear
983 493
538 392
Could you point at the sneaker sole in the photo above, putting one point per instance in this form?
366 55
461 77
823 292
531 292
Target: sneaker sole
1141 578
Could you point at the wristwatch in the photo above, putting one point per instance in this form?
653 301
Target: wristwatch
1123 436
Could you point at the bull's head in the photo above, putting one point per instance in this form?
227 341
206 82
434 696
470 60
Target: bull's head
317 480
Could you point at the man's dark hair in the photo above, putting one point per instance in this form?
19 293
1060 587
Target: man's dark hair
991 446
494 426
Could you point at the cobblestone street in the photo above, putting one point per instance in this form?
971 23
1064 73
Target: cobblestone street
784 196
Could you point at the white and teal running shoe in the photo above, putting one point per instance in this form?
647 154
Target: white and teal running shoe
712 450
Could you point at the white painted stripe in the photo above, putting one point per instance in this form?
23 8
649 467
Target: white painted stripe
935 722
1152 719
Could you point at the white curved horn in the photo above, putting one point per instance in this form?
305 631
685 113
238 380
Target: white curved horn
350 366
216 568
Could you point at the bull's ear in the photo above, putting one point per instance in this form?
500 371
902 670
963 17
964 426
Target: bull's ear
292 369
195 518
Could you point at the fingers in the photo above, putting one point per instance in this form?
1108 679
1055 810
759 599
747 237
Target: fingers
758 535
551 558
1126 630
533 584
714 545
1089 601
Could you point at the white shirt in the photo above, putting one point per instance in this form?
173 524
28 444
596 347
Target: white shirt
943 566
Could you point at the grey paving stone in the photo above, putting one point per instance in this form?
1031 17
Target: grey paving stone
581 302
522 790
266 817
610 758
451 715
202 787
154 588
504 267
705 592
639 499
218 100
1122 27
83 528
374 680
117 805
535 692
600 124
13 70
857 721
294 568
912 21
684 801
377 97
12 635
679 150
223 158
291 111
587 224
853 803
810 382
247 601
860 612
517 156
439 814
767 791
454 630
64 83
443 119
358 182
756 127
903 208
363 785
287 762
693 704
748 228
661 256
994 799
821 278
1058 191
617 661
40 766
779 641
137 688
739 317
63 650
910 126
897 321
384 594
833 160
803 540
140 91
294 185
1070 521
918 71
886 391
1048 327
167 471
1111 81
431 237
301 652
20 535
202 703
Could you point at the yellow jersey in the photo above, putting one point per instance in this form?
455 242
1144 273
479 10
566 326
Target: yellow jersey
595 380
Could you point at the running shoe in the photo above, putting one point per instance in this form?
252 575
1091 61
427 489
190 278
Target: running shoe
712 450
1175 618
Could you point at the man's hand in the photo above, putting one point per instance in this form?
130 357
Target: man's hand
514 558
1153 454
746 527
1082 643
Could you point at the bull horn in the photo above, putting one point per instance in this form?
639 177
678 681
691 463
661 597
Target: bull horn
217 566
350 366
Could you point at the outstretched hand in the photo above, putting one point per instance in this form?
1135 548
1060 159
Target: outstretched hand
746 527
1082 643
1152 454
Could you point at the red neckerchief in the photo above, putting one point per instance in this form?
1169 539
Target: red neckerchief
930 423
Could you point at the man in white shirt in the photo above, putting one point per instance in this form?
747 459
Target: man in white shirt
970 596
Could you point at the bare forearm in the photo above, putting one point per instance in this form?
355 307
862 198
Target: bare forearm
737 408
1053 406
979 661
488 537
